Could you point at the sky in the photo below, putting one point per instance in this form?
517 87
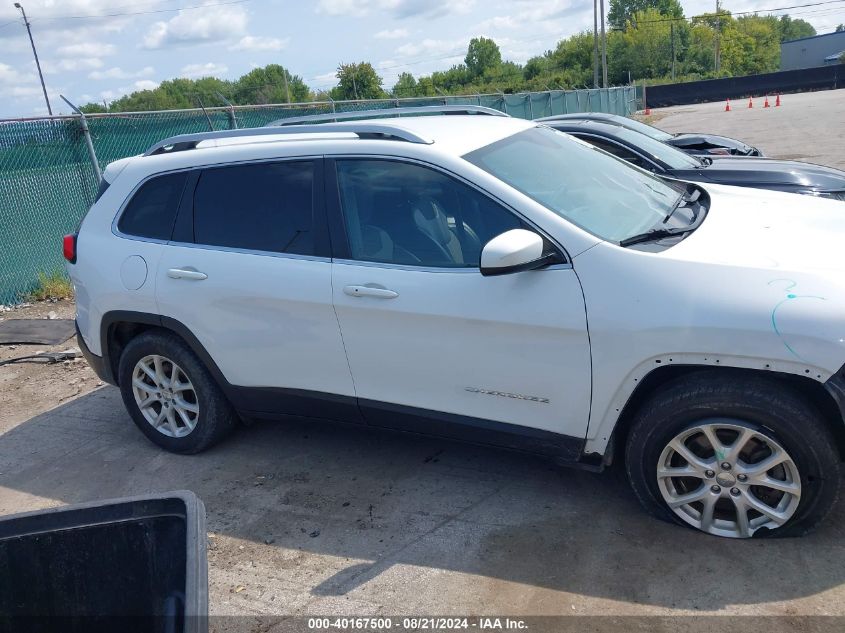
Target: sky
92 50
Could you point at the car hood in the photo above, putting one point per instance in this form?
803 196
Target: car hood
769 230
787 175
695 140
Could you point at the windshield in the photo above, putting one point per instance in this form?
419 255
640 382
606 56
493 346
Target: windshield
668 155
598 192
643 128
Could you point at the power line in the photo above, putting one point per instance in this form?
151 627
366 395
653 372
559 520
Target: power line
115 15
734 13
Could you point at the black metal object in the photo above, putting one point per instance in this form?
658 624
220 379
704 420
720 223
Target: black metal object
36 331
805 79
132 564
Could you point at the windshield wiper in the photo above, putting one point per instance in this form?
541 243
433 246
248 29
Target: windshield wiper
683 200
653 234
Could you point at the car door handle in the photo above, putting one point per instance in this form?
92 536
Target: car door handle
370 291
186 273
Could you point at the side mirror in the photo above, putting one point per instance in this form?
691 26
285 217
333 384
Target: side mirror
513 252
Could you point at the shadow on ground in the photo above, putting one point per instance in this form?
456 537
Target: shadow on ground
373 503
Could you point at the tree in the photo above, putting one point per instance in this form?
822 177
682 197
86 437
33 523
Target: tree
405 86
357 81
93 108
483 55
790 29
840 28
270 84
621 11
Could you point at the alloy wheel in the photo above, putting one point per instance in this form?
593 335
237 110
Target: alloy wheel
165 396
727 479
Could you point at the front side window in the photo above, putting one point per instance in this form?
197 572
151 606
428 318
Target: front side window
152 210
667 154
584 185
617 150
261 207
403 213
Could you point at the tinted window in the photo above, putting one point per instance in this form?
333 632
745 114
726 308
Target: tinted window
153 208
600 193
264 207
612 148
406 214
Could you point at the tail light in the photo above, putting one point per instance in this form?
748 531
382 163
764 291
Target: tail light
69 247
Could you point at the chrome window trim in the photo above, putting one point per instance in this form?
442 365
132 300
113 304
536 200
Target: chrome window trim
432 269
249 251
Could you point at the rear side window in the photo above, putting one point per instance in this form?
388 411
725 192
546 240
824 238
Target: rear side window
152 210
262 207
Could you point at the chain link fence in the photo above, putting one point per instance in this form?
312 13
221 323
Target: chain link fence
47 180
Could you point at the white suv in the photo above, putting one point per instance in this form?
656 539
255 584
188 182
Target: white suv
485 278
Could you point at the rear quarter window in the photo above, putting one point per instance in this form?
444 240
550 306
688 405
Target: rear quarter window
152 210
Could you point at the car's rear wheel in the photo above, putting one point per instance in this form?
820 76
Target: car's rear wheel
733 456
170 395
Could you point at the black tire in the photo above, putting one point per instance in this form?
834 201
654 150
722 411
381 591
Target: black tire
216 417
765 405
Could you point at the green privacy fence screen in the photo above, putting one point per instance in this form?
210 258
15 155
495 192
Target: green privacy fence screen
47 180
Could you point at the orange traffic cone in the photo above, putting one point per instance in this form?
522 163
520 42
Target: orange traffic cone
750 102
777 101
647 111
766 104
727 105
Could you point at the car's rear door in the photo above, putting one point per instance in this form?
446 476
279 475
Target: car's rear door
430 341
248 272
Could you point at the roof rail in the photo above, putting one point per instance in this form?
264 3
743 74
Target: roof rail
385 131
386 112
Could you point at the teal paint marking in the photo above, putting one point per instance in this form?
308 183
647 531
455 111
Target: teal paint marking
790 296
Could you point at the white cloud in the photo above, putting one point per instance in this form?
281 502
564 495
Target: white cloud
218 23
20 92
145 84
117 93
391 34
203 70
259 43
119 73
325 78
86 49
430 46
399 9
51 67
9 75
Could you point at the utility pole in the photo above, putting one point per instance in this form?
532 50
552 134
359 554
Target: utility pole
35 53
672 33
595 43
287 88
717 53
603 47
354 85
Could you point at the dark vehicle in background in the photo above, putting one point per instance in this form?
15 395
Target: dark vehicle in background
689 142
665 160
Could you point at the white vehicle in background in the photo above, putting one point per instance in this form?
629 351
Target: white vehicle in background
478 277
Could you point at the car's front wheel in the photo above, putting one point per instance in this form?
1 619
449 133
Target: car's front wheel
733 456
170 395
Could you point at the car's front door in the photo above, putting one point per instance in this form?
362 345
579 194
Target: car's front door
426 334
248 272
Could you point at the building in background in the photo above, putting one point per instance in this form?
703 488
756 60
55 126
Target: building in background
809 52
